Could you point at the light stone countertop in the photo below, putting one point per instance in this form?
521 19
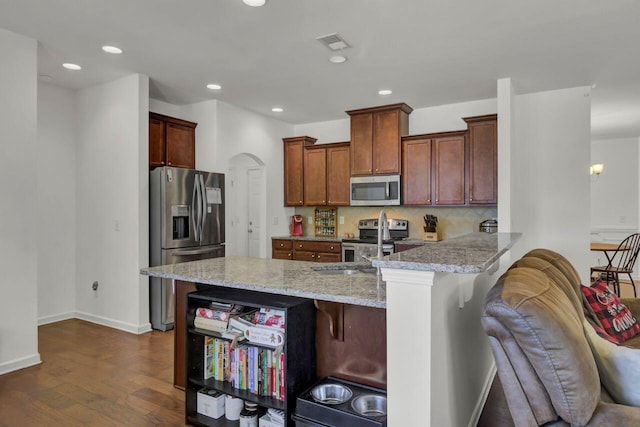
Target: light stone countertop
473 253
470 254
294 278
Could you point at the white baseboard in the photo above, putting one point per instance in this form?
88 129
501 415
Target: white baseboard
55 318
23 362
116 324
482 399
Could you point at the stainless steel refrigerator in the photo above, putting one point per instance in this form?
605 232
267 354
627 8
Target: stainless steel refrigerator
186 223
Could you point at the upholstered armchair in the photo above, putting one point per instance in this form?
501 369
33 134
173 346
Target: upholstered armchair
548 374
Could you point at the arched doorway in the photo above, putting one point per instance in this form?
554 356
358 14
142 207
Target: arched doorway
246 206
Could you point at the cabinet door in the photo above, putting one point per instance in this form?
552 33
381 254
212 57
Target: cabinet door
315 177
293 173
361 144
483 162
181 146
338 176
448 159
416 172
157 149
386 142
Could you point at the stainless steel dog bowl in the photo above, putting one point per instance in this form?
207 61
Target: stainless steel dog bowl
331 394
370 405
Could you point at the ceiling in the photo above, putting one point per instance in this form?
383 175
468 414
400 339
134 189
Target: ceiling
428 52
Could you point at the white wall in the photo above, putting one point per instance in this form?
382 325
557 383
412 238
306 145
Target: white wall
56 203
19 208
614 194
112 195
550 156
240 131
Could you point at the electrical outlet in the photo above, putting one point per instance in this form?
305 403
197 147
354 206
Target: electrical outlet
341 220
309 220
94 286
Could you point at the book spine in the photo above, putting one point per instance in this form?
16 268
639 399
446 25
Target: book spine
250 369
282 376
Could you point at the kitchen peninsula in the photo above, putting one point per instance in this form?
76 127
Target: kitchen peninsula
438 358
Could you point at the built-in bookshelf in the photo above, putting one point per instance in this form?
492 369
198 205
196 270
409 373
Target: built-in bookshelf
220 361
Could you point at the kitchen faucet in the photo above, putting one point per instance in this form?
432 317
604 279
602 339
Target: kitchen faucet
383 233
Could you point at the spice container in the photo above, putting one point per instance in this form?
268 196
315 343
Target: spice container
249 415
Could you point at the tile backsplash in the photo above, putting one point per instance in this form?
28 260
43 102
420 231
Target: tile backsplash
452 221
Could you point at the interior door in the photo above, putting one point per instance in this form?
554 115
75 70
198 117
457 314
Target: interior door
254 184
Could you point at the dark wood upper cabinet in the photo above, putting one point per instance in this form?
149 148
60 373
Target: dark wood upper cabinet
157 142
375 139
172 142
315 176
294 169
483 159
416 170
448 170
338 188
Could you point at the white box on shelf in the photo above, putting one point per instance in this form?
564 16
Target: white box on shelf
210 403
266 421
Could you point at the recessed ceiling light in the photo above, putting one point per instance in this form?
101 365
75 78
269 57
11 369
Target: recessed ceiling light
112 49
338 59
385 92
70 66
255 3
277 110
214 86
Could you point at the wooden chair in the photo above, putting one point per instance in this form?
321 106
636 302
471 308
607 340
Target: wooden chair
621 262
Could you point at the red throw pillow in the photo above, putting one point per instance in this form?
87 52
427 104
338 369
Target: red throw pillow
615 317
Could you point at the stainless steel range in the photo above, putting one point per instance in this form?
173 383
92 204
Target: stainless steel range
366 245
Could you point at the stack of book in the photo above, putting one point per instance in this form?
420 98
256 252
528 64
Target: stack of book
215 317
260 371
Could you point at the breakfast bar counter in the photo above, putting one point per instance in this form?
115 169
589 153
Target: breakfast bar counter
437 356
470 254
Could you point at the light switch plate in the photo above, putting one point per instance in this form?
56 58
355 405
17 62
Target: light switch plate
309 220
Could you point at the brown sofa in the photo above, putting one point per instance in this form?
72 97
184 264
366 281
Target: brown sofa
547 374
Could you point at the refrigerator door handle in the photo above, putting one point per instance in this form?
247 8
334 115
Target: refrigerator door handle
197 251
203 195
194 210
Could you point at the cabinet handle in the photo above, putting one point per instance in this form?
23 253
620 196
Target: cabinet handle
369 170
331 247
313 256
300 201
376 169
318 256
471 199
281 244
300 245
168 163
323 201
289 254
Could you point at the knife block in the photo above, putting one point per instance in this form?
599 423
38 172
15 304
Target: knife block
431 236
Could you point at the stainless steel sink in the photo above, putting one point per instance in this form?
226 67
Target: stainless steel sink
347 269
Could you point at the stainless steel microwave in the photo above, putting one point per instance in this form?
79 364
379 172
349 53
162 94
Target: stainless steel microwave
380 190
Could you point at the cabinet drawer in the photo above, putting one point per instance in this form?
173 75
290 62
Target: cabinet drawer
281 244
281 254
304 256
328 257
314 246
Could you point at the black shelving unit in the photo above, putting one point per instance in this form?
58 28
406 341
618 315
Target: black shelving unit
299 351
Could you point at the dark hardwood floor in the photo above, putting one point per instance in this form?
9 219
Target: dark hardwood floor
92 375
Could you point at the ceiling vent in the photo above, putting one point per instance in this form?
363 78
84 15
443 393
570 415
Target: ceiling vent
333 41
